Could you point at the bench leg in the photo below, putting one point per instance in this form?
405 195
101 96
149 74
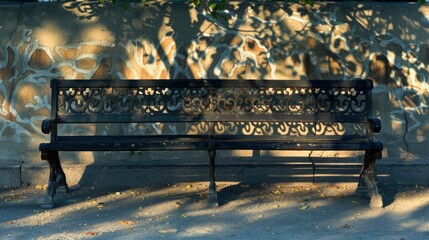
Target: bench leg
57 178
212 197
368 174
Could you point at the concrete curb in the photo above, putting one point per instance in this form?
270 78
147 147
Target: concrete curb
137 175
10 176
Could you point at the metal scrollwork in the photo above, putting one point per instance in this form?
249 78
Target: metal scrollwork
197 101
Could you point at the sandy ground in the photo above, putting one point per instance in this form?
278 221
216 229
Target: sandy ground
265 211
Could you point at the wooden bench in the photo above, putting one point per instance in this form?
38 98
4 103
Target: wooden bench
214 115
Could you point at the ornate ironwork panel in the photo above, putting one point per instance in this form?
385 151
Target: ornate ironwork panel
247 108
210 101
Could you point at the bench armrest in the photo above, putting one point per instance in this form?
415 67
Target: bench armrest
374 124
47 125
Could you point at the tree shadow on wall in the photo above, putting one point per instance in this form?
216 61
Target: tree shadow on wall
149 44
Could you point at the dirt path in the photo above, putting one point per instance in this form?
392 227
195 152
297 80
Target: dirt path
266 211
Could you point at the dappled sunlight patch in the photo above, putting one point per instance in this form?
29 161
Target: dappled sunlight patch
174 191
86 230
158 209
49 34
415 225
202 212
422 226
321 203
366 213
408 210
259 210
38 219
202 230
401 206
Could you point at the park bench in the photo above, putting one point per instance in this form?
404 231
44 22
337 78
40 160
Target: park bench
214 115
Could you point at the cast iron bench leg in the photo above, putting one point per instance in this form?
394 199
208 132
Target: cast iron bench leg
57 178
212 200
368 174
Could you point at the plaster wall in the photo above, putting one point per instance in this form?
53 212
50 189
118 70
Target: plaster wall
386 42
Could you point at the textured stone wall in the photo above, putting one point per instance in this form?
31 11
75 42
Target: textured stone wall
388 43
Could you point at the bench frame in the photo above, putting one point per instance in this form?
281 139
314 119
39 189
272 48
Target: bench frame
211 102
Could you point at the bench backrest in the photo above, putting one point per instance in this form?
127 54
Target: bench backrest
317 107
131 101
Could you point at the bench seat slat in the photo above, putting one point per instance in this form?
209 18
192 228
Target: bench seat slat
199 142
204 145
126 143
